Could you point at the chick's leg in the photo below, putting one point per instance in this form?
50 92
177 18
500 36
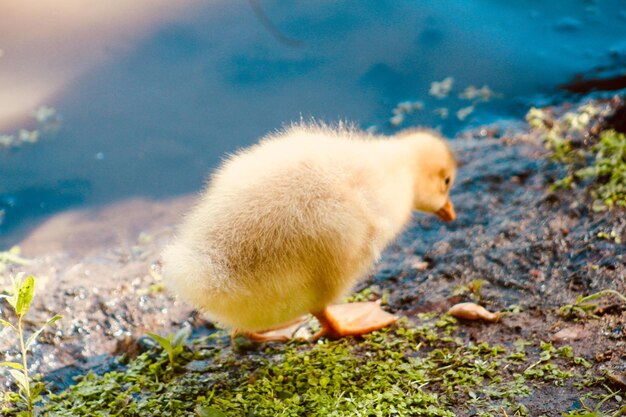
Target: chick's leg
352 319
260 337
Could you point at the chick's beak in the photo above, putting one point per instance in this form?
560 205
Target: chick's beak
446 213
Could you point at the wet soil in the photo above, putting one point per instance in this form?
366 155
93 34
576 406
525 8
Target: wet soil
535 249
97 269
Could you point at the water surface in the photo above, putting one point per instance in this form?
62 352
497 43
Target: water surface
149 106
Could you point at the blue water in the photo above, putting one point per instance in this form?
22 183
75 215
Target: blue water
153 121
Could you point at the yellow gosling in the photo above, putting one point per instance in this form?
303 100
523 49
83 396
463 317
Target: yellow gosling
288 226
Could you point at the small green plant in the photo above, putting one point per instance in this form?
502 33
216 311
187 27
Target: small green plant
582 306
471 289
173 344
20 300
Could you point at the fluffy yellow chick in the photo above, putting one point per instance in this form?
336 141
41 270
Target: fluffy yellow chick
288 226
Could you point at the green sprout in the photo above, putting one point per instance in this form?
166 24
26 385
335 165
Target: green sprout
471 289
583 307
173 344
20 300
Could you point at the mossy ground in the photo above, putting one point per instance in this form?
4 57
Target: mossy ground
593 154
428 369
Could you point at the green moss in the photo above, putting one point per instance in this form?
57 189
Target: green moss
608 170
426 370
598 163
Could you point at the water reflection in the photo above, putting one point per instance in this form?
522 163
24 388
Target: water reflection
47 44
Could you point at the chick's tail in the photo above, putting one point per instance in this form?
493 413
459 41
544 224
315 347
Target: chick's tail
191 274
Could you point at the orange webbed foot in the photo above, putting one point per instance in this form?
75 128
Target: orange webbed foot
352 319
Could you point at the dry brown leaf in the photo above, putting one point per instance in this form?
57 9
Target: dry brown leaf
471 311
570 333
420 266
617 378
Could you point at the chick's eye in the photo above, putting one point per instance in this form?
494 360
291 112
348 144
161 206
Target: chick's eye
447 180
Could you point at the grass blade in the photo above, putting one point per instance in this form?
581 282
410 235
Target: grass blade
13 365
7 324
165 343
34 336
20 379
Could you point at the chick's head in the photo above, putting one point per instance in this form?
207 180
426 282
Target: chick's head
435 171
